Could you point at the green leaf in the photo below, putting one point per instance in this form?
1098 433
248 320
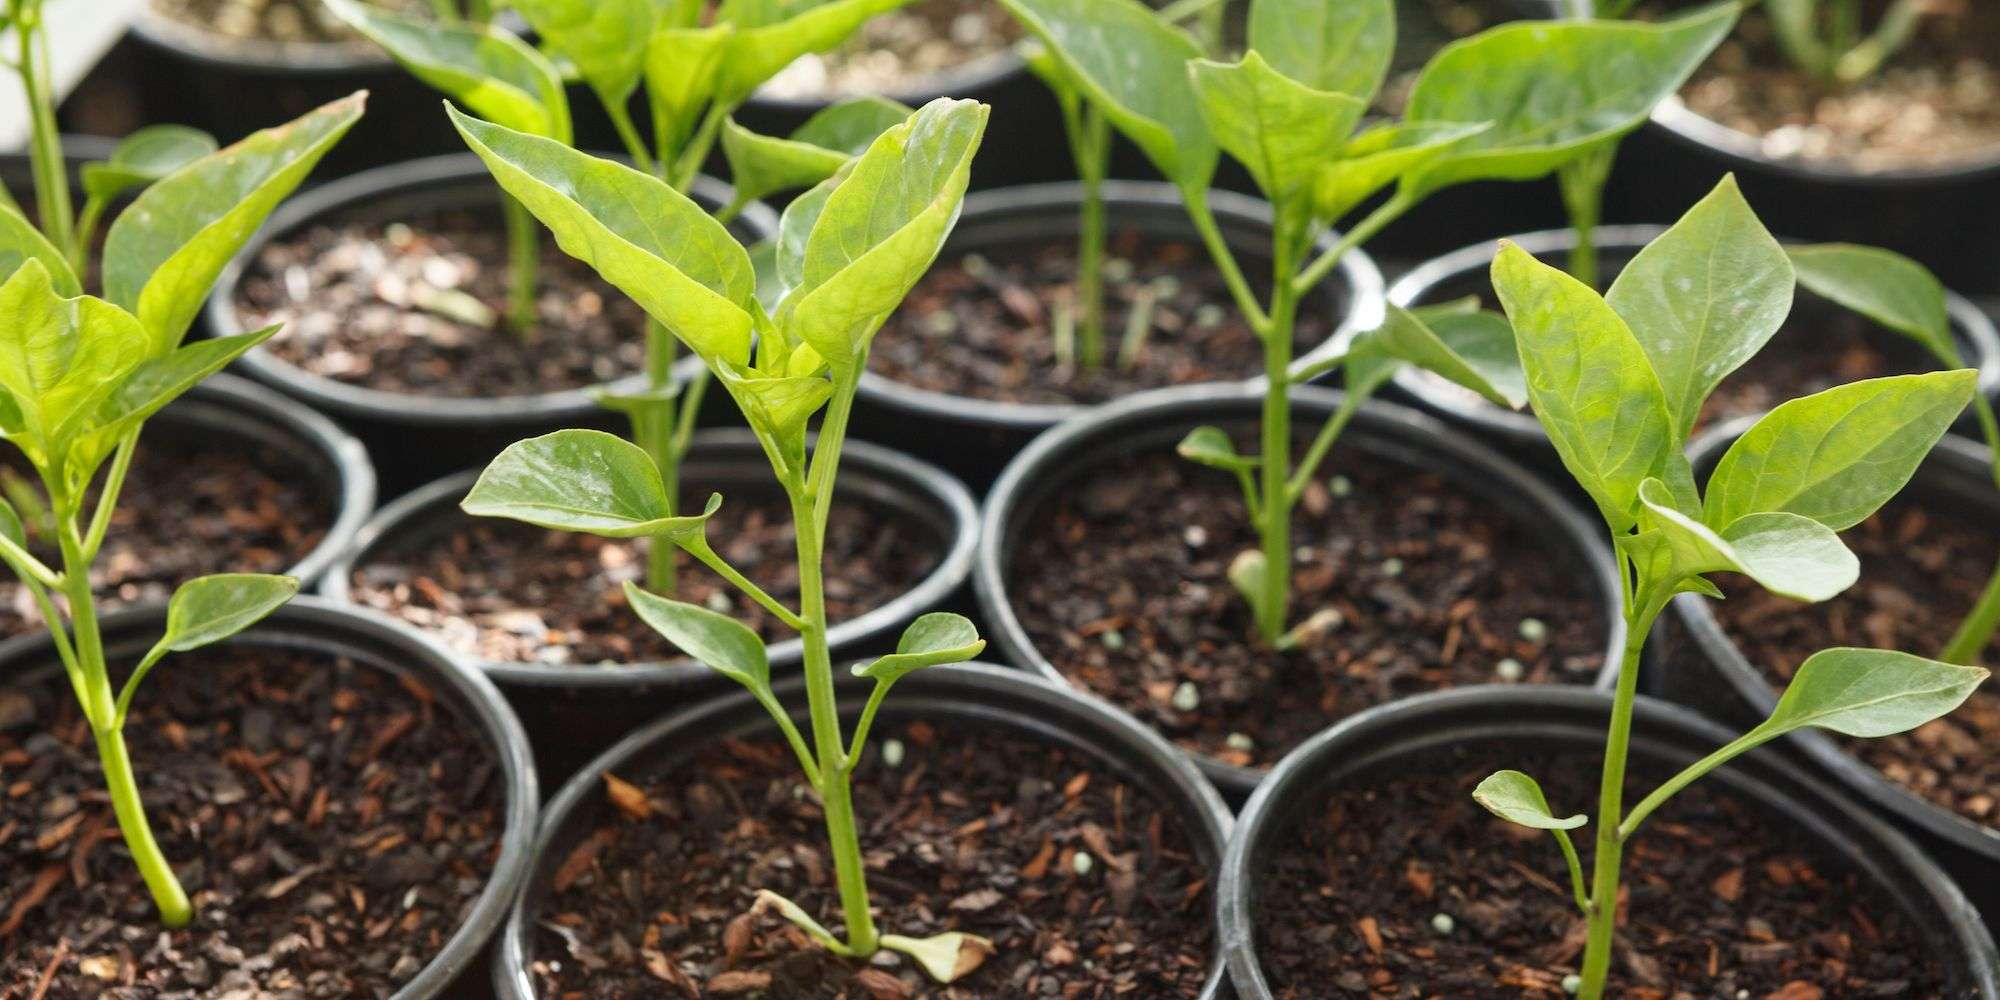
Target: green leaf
1788 555
652 242
880 227
778 407
1870 692
851 126
1278 128
162 379
758 49
145 156
1341 47
60 358
795 226
1211 447
11 527
681 66
1590 384
1889 288
1555 89
1379 156
762 165
209 609
585 481
20 242
481 66
719 642
934 639
1134 66
1475 350
165 251
1704 297
606 39
1837 456
1518 799
1246 574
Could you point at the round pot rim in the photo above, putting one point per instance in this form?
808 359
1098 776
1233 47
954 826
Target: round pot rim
486 712
919 479
1968 320
1692 128
445 171
219 51
1975 943
1052 449
1362 278
967 77
956 681
1751 689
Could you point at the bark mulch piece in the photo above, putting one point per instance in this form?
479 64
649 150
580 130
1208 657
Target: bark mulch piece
1922 569
976 830
1121 583
1722 899
331 822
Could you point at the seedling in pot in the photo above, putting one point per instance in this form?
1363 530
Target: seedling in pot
1617 381
1826 39
79 376
849 250
1513 103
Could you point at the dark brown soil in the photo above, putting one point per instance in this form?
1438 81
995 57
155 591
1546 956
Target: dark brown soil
397 307
982 325
189 508
509 592
1120 582
1720 900
1922 569
976 831
331 823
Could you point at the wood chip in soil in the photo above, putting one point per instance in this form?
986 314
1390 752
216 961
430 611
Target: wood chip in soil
981 325
975 831
1120 581
189 508
508 592
1722 899
1922 569
418 306
331 826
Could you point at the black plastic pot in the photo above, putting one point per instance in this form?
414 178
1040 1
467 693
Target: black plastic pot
312 624
1158 419
947 696
975 437
574 711
1465 272
1508 720
415 439
1700 665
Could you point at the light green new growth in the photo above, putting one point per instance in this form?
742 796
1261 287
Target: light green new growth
1826 40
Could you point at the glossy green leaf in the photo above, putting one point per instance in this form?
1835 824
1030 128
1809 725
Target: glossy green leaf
757 50
1344 47
851 126
1134 66
1475 350
795 226
717 641
1518 799
1871 692
1786 554
681 65
1278 128
157 381
481 66
580 480
209 609
1555 90
1887 287
606 39
165 251
652 242
1837 456
934 639
60 358
1704 297
145 156
1590 384
778 407
11 527
762 165
1379 157
1211 447
20 242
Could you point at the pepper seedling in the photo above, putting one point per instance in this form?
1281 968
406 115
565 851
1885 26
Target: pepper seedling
849 250
1617 381
1513 103
79 376
1825 39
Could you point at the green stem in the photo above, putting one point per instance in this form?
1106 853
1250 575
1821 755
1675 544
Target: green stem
1389 211
621 119
654 430
1689 775
1582 181
107 498
1196 201
691 156
51 174
1978 627
1092 162
1275 530
1329 432
523 258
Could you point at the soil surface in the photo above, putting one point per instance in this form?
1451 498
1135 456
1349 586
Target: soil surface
975 831
1121 583
899 52
417 306
1721 900
1922 568
982 325
188 509
508 592
331 823
278 20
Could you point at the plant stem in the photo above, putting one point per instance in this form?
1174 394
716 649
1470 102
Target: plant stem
1090 146
1275 531
628 134
523 258
1389 211
1977 629
51 174
653 429
1582 182
688 163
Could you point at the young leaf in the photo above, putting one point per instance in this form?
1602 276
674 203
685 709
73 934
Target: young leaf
719 642
60 358
602 37
20 242
165 251
1839 455
851 126
1590 382
145 156
1889 288
11 527
1211 447
680 78
652 242
1475 350
1377 157
581 480
157 381
209 609
778 407
762 165
1704 297
1278 128
934 639
1518 799
481 66
1341 47
1786 554
762 45
1870 692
